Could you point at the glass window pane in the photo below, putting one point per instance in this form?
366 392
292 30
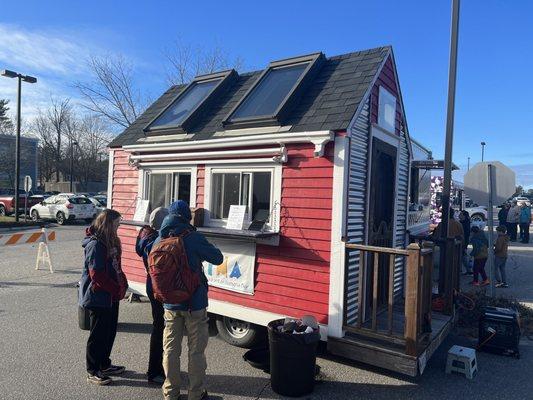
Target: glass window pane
387 110
261 196
182 187
225 193
270 92
182 107
157 191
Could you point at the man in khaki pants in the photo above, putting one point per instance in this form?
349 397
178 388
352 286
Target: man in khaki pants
190 317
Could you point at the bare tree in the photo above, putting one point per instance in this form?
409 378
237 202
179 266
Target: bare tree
6 123
111 92
187 61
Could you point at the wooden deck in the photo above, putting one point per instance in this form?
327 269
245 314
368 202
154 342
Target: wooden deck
362 346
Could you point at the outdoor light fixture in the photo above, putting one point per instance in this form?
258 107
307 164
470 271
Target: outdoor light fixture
30 79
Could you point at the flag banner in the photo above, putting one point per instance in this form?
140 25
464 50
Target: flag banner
236 273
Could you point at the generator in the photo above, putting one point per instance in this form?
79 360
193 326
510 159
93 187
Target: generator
499 331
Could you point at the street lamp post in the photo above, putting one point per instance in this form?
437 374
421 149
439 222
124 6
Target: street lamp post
72 144
483 151
30 79
468 167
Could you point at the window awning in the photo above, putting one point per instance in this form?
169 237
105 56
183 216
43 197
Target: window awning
431 164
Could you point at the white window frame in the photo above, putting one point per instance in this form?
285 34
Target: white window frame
385 95
275 192
143 187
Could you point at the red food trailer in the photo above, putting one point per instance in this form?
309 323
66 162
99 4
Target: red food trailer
300 174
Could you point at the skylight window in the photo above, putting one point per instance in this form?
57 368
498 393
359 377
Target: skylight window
270 92
269 100
185 104
191 103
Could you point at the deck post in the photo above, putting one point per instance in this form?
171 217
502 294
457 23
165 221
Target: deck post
412 299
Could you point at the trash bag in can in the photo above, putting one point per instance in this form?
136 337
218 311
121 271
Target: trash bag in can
292 359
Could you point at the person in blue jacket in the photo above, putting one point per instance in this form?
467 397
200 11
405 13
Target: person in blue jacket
524 219
190 316
145 240
102 286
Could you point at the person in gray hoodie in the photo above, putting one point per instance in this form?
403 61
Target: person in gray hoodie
513 218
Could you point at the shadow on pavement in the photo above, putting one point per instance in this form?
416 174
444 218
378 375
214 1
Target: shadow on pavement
134 327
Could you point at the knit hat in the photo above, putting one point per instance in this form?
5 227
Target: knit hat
180 208
157 216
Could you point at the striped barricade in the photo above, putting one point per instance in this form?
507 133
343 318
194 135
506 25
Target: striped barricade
42 237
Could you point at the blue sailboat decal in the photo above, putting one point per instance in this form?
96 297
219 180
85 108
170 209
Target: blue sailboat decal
236 271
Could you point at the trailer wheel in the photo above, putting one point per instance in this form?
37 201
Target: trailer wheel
477 218
240 333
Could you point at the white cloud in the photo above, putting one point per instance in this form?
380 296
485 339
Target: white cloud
55 58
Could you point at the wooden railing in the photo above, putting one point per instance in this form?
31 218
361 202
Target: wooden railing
417 293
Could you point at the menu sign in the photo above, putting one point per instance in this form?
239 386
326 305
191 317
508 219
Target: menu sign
236 217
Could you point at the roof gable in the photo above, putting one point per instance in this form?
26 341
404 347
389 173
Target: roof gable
329 102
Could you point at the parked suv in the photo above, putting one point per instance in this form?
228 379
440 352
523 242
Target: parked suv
63 208
7 201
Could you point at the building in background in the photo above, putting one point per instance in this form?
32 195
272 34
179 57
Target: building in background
28 160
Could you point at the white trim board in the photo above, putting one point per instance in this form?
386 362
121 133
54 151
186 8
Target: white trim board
110 171
337 257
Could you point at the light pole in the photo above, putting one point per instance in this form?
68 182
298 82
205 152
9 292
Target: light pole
483 151
72 144
468 167
30 79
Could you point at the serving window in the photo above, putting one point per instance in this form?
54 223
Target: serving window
258 189
162 188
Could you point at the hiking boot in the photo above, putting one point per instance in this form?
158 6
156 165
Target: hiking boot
99 379
485 282
114 370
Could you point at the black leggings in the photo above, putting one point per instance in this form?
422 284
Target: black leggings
155 362
101 338
479 269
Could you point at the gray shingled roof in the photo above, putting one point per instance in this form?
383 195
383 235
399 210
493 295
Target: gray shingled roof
329 102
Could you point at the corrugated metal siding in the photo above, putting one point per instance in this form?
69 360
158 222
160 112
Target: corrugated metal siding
356 212
401 209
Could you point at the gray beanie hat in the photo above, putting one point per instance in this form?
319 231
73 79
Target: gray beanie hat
157 216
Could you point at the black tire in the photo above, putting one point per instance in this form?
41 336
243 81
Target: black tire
88 220
477 218
2 210
240 333
60 218
35 215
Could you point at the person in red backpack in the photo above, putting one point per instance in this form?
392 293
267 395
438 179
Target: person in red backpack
143 245
190 316
102 286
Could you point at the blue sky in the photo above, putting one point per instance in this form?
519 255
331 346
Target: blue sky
52 39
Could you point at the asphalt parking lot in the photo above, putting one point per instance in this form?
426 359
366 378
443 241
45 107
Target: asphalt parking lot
42 349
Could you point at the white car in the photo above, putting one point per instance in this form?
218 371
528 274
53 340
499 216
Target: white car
478 214
522 200
100 203
63 208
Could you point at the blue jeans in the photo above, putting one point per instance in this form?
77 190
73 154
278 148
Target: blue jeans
499 266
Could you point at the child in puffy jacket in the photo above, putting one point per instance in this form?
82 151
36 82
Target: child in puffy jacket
480 247
500 256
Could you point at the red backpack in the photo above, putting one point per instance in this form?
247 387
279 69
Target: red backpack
173 280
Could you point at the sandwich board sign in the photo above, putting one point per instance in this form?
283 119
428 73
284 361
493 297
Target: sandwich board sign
477 185
27 183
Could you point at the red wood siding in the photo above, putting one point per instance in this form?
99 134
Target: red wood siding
386 79
293 278
124 197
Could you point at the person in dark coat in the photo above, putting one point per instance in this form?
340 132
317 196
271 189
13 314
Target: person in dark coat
190 316
502 215
102 286
143 245
464 219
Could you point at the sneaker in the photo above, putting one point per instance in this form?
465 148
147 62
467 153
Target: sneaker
504 285
499 284
474 283
99 379
485 282
114 370
158 379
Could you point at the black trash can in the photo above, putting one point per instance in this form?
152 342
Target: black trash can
292 360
